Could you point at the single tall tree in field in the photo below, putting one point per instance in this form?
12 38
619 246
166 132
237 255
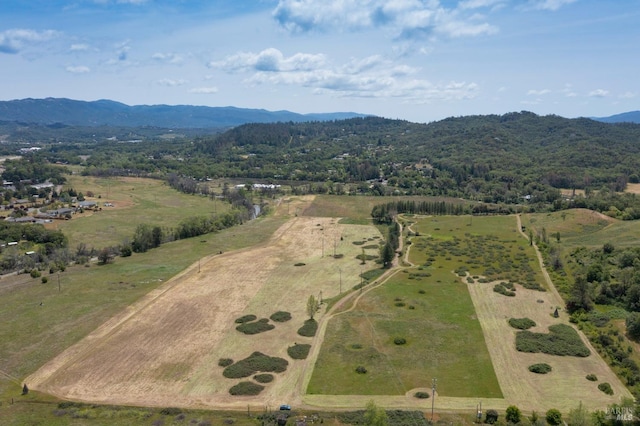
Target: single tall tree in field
312 306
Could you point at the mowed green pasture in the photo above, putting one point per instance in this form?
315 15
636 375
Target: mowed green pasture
37 321
429 306
136 201
443 340
581 227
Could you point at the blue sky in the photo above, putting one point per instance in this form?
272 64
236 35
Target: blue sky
419 60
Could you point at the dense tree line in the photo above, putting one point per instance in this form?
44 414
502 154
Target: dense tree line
385 213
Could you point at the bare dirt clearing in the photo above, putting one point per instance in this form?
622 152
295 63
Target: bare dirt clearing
164 349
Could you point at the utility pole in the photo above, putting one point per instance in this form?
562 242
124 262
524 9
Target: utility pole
434 382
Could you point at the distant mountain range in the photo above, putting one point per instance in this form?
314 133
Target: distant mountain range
109 113
625 117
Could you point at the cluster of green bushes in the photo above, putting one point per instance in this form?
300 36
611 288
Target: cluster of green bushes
255 327
504 288
606 388
309 328
299 350
256 362
541 368
280 316
246 388
561 340
522 323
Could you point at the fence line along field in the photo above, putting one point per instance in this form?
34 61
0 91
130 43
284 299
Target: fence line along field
166 348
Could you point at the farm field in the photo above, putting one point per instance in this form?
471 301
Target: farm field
456 327
135 201
164 349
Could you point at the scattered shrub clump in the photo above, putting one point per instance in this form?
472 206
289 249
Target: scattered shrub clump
246 318
561 340
421 395
280 316
606 388
356 346
246 388
542 368
170 411
299 264
299 351
255 327
225 362
521 323
256 362
592 377
400 341
263 378
504 290
309 328
361 370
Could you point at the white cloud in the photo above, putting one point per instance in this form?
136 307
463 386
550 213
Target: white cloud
80 69
172 58
628 95
598 93
408 19
549 4
204 90
170 82
79 47
477 4
270 60
370 77
14 40
538 92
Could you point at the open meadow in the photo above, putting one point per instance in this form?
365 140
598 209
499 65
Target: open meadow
133 201
158 329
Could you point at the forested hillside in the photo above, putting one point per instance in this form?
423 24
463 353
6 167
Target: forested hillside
513 158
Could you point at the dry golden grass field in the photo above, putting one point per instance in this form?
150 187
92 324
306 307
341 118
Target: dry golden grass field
164 349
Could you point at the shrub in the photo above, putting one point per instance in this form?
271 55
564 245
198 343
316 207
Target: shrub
298 351
263 378
521 323
35 273
309 328
255 327
500 288
299 264
592 377
246 318
44 280
246 388
491 416
554 417
361 370
400 341
170 411
513 414
256 362
606 388
225 362
561 340
542 368
421 395
280 316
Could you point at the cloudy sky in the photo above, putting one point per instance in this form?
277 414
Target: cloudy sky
420 60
